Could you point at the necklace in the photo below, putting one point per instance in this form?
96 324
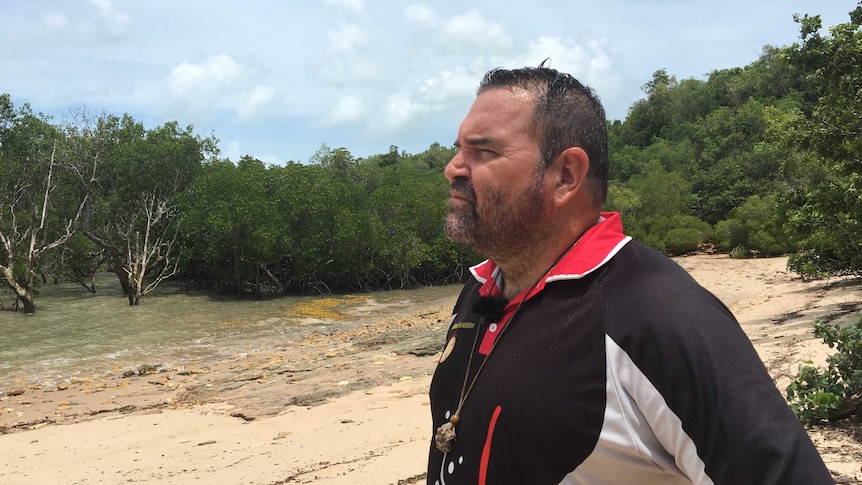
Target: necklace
444 438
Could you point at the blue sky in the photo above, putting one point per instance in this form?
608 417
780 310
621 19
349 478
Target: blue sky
276 79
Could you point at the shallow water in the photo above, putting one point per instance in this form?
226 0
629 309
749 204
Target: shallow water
77 333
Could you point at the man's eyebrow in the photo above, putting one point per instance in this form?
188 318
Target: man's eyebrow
478 141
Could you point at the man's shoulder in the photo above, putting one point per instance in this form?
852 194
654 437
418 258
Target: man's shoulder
639 264
644 286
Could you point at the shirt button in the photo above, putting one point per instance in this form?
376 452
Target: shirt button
492 328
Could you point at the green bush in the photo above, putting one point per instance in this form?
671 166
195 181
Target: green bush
754 226
730 234
675 235
682 240
833 393
812 265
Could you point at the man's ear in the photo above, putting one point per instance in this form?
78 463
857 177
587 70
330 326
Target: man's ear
572 166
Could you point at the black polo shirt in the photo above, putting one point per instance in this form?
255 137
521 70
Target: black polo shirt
618 368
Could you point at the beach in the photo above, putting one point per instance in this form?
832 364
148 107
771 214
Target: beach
347 407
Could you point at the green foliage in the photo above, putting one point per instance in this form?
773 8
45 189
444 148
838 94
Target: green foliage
681 240
819 394
810 395
768 153
367 224
436 156
661 193
339 162
229 222
713 135
674 235
623 200
826 200
754 227
132 177
728 166
32 221
655 209
648 117
81 260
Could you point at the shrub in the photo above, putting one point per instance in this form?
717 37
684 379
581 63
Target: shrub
682 240
754 226
730 234
678 234
833 393
812 265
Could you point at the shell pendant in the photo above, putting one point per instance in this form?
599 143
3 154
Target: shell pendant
444 438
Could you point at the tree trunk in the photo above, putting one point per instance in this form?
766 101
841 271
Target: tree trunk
92 288
25 295
28 301
115 266
123 276
135 289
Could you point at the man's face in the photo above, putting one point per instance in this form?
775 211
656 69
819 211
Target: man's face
497 184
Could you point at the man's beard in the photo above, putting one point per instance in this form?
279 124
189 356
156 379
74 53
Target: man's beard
495 229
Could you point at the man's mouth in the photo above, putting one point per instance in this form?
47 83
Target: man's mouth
461 190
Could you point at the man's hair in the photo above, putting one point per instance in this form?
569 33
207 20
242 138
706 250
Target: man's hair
567 114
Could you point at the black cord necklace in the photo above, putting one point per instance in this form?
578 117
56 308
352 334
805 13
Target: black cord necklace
444 438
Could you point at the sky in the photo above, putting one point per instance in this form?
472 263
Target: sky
277 79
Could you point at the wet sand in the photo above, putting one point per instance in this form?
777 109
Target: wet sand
347 407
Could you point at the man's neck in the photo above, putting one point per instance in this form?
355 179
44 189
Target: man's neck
523 269
521 273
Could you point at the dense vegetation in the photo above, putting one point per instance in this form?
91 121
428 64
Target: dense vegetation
835 392
756 160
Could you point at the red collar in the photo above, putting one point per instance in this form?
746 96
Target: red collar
595 247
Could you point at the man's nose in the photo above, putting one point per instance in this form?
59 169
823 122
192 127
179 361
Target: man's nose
456 168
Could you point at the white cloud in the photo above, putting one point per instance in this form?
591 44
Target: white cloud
421 15
595 63
262 101
348 109
342 73
198 90
344 82
231 151
470 32
220 87
363 70
451 85
346 38
451 90
410 110
356 5
401 108
218 71
113 21
63 27
55 20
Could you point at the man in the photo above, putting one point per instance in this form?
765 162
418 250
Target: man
576 355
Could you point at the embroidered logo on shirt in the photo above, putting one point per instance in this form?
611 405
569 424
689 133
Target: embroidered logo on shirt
461 325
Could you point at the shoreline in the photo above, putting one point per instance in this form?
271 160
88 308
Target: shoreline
350 406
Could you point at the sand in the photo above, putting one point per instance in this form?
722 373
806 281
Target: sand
349 407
